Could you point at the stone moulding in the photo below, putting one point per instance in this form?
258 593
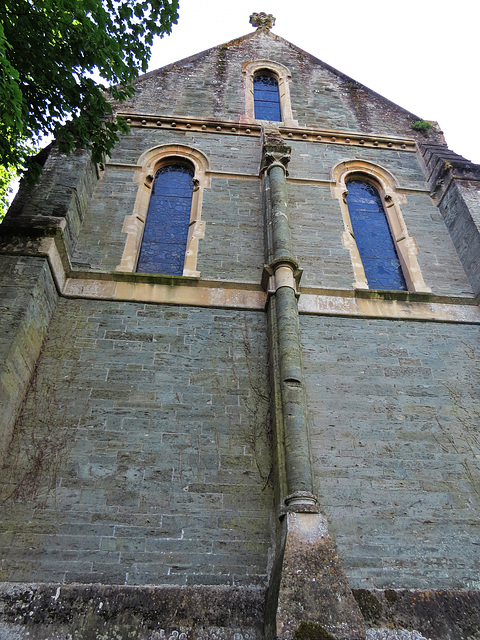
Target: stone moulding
405 244
388 309
283 76
321 136
148 163
158 289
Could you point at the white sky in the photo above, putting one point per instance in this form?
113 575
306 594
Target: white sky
423 55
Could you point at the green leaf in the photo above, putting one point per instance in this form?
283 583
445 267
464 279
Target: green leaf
48 52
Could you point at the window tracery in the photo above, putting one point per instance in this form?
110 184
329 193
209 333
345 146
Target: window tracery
152 165
165 234
345 175
279 74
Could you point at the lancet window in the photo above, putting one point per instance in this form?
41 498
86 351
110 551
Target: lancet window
266 97
165 226
165 235
373 237
267 92
383 254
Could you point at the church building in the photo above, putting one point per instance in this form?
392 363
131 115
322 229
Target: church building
239 373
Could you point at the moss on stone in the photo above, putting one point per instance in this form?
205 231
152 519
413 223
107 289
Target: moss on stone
369 605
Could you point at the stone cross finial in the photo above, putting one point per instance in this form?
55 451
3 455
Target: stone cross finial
262 21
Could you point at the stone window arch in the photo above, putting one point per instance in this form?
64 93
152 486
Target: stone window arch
386 186
268 68
149 165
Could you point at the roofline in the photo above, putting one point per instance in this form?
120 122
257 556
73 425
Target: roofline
268 33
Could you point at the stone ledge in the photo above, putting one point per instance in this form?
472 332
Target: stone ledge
338 137
436 614
393 309
251 298
193 291
41 611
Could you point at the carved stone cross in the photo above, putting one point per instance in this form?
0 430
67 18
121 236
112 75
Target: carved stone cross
262 20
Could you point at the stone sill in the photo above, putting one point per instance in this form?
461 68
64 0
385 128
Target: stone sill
193 291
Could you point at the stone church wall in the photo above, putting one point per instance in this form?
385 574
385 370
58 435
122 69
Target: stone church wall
141 455
233 245
212 83
155 465
395 412
317 222
27 301
232 248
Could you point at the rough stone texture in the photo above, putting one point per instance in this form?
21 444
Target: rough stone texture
316 229
414 615
101 240
27 300
317 237
230 153
233 245
232 248
393 634
317 221
437 258
455 184
395 409
464 226
315 161
140 464
65 191
314 591
174 613
158 472
321 96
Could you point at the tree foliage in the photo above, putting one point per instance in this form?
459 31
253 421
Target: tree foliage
49 51
7 177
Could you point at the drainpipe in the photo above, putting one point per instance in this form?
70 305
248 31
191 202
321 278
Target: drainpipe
282 272
308 594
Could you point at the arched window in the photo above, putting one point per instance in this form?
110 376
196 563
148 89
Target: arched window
156 171
267 92
383 254
373 237
266 97
165 235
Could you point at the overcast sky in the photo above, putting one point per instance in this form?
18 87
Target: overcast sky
422 54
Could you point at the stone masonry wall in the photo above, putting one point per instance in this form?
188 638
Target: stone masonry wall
460 209
233 245
317 221
395 409
224 152
141 456
27 301
212 83
64 191
141 453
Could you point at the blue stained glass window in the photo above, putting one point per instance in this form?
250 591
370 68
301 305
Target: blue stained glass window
266 98
372 235
166 228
